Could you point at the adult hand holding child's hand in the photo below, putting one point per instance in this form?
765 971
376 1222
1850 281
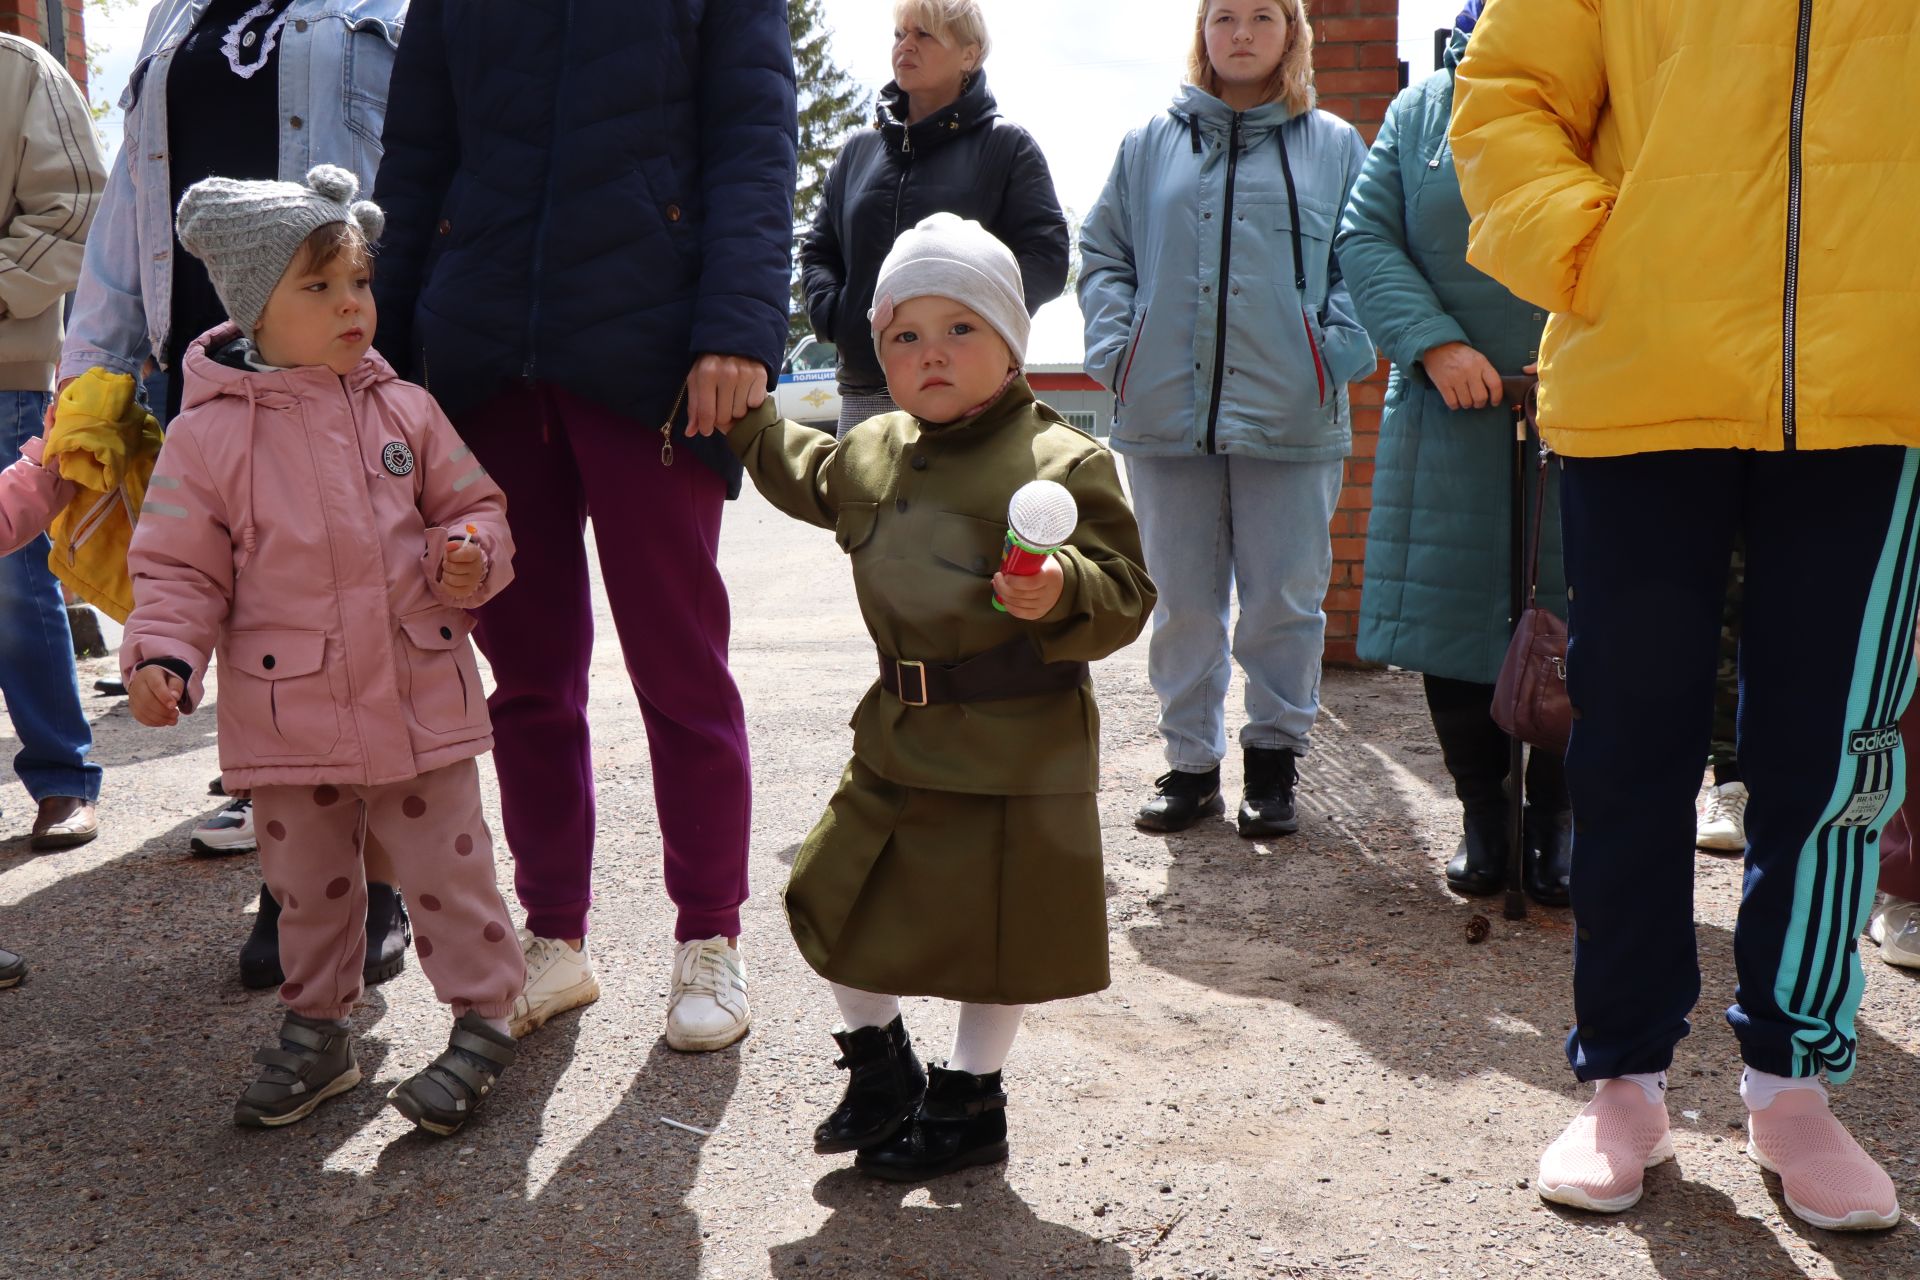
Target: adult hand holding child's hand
153 693
1030 596
465 566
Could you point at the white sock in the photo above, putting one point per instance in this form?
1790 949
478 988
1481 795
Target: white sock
985 1037
864 1008
1758 1089
500 1025
1653 1082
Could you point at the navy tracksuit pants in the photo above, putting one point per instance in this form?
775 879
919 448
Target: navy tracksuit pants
1826 667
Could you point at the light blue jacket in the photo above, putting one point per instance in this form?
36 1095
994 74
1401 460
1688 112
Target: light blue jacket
335 58
1165 323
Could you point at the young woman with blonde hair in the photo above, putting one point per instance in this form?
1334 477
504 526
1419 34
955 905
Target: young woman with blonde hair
1216 312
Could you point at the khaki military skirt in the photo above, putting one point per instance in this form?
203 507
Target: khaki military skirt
987 899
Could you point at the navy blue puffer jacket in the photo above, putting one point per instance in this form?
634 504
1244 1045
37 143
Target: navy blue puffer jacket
590 193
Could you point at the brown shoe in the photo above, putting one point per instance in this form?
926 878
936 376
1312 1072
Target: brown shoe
64 823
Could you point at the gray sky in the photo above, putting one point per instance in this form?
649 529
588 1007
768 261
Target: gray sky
1077 73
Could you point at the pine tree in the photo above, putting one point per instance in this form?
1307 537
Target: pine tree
832 105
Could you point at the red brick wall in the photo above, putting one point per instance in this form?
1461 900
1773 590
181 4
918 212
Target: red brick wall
1356 61
28 18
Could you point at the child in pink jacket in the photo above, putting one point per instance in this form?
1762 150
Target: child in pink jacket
318 524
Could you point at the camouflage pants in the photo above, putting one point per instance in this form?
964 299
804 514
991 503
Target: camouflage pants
1726 692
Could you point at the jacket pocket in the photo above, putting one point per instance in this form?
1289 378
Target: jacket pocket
853 525
1132 349
367 71
443 678
1317 228
1593 271
275 683
969 543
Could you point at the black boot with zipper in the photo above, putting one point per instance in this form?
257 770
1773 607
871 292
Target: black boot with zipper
1476 755
885 1089
962 1122
1266 800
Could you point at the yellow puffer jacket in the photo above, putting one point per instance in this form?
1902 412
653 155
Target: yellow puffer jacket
1718 201
105 443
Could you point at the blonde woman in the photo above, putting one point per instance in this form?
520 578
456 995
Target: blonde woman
938 145
1216 312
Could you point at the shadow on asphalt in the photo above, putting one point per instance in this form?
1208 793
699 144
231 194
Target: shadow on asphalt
1354 906
970 1224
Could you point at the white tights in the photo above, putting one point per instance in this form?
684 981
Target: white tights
980 1045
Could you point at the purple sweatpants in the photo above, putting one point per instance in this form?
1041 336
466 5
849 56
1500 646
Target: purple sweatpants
560 459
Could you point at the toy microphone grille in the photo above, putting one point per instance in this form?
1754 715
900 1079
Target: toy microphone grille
1043 514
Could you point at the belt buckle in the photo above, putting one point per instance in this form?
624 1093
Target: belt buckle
900 670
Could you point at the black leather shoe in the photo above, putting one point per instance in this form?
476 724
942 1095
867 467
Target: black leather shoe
1478 868
1549 856
388 934
962 1122
12 969
1266 804
885 1090
260 953
1180 800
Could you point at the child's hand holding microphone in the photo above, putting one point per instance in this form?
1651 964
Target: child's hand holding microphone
465 565
154 694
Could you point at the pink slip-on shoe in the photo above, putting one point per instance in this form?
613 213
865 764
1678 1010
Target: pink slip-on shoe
1600 1161
1828 1179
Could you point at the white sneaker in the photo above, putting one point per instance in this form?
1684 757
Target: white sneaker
1723 827
708 1008
558 979
228 831
1895 925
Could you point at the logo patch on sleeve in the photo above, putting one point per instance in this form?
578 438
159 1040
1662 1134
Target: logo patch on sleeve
397 458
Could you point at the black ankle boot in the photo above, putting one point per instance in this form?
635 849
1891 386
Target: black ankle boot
388 933
1478 868
1180 800
885 1090
1266 801
1549 856
260 953
962 1122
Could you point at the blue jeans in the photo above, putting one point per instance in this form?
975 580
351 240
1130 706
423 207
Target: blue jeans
37 675
1210 525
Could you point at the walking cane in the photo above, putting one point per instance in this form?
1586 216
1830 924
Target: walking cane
1516 391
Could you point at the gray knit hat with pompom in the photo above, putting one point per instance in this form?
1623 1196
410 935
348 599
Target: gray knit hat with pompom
247 232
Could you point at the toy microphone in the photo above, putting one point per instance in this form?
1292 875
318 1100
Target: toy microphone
1039 520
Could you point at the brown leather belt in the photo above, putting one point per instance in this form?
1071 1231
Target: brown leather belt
1010 670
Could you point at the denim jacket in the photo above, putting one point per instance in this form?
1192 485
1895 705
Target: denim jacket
335 58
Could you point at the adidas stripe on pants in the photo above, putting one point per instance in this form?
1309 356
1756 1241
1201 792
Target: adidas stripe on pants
1826 668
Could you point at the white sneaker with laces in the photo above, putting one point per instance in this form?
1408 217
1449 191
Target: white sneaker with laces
1895 925
708 1008
1723 827
558 979
228 831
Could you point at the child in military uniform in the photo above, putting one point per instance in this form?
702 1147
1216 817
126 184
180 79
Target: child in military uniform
960 857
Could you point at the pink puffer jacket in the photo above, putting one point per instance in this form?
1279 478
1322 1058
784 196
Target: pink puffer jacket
296 521
30 497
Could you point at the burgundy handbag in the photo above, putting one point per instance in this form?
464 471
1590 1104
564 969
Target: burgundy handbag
1530 699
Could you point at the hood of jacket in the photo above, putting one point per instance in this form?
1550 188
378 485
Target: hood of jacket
1195 108
974 107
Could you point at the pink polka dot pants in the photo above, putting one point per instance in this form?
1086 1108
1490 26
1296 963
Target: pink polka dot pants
310 853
